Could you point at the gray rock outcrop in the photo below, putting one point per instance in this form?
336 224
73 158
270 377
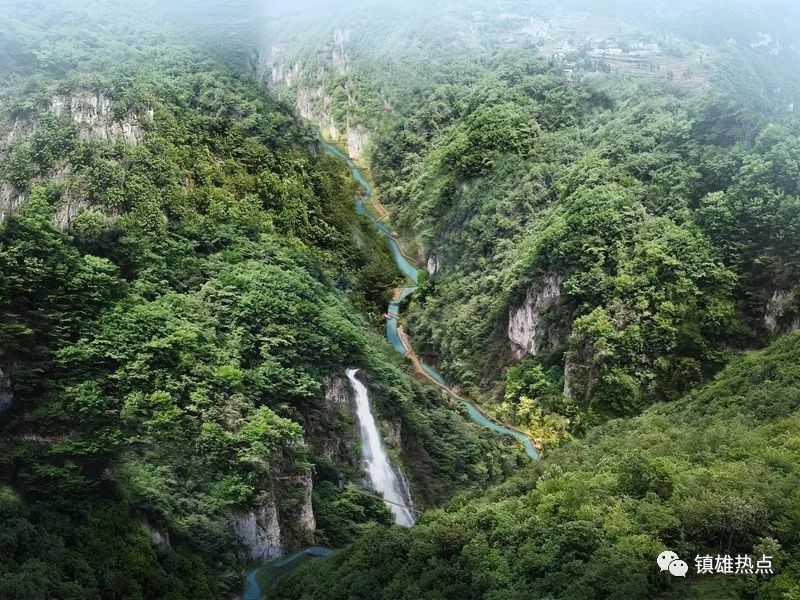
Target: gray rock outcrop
357 140
778 313
94 116
528 329
260 530
434 262
330 430
10 199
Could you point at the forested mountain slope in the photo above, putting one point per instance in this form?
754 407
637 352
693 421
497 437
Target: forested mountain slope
610 218
623 247
715 472
183 281
598 238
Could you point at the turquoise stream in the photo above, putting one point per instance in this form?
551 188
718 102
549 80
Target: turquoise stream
409 269
280 568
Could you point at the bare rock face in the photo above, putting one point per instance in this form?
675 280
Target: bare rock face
335 391
73 201
434 262
301 522
528 329
160 538
394 433
269 531
333 445
19 129
314 105
571 370
94 117
281 75
357 141
273 67
69 206
260 529
6 397
277 68
777 314
10 199
93 113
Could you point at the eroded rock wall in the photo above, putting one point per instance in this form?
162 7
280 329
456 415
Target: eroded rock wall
281 72
94 117
281 519
530 329
259 529
780 313
10 199
434 262
331 429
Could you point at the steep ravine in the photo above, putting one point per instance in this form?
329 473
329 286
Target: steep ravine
307 91
396 337
399 341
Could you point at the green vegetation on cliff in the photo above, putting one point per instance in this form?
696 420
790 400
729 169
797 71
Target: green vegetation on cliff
601 242
713 473
181 270
611 225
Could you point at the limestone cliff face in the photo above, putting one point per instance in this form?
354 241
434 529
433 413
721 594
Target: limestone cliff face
334 389
269 530
75 200
780 314
529 329
10 199
284 75
434 262
93 113
315 106
160 537
571 371
290 78
393 430
18 129
357 140
94 117
299 522
260 530
282 518
331 430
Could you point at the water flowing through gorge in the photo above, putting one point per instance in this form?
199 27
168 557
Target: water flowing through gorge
383 477
378 469
407 266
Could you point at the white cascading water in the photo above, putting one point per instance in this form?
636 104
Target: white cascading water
380 472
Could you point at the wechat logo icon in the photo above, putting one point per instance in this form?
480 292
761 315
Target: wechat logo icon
669 561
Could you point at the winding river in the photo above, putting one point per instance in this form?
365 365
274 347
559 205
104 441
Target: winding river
409 268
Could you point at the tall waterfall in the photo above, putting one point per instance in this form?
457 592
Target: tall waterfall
382 475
